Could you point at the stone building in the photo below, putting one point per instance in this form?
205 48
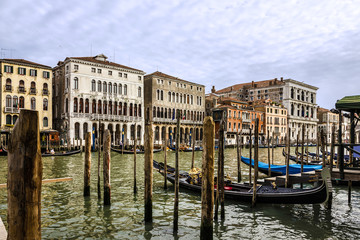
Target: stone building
164 95
298 98
275 119
89 89
27 85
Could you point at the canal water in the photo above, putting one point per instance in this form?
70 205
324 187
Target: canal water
66 214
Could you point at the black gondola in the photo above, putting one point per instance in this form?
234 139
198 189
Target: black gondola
132 152
59 154
3 151
265 194
298 160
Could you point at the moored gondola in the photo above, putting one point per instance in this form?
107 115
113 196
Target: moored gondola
298 160
59 154
264 194
138 151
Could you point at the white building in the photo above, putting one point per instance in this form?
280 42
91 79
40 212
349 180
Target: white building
298 98
89 89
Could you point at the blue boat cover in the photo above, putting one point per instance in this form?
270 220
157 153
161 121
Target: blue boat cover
293 168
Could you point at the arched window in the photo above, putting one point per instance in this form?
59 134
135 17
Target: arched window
33 103
87 106
104 87
45 122
21 102
120 88
8 85
93 85
67 105
8 101
162 95
33 88
115 88
139 113
45 89
110 88
99 107
21 86
120 108
99 86
169 96
94 106
15 117
76 83
105 107
131 109
125 109
45 104
154 112
81 105
8 119
125 89
181 99
139 92
292 109
15 102
110 107
173 97
75 104
177 97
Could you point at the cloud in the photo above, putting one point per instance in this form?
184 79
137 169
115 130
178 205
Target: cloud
205 42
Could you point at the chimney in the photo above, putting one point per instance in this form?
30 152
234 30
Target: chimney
282 79
275 81
231 88
213 89
252 84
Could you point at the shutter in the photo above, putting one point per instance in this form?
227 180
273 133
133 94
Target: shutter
19 70
35 72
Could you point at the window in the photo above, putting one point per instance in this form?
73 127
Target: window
99 86
8 69
46 74
21 102
125 76
120 74
76 67
125 89
75 105
45 122
45 89
33 72
139 92
76 83
110 73
45 104
139 78
99 70
22 71
8 101
33 103
8 119
93 70
33 88
21 86
115 88
15 117
110 88
8 86
120 89
104 87
93 85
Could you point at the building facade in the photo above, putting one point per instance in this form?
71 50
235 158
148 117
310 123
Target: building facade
25 85
164 95
91 89
298 98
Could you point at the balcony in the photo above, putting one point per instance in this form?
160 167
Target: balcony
8 88
16 110
32 91
21 89
45 92
246 120
8 109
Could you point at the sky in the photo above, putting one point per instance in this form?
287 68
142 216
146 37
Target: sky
214 43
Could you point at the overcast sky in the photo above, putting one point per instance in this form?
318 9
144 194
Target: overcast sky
216 42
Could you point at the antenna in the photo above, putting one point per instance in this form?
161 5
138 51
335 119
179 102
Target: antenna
4 50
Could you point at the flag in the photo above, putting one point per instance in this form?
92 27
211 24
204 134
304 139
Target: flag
173 117
93 137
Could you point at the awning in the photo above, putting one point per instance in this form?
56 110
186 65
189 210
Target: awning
349 103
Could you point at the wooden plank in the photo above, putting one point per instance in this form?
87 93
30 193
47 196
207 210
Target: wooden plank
3 185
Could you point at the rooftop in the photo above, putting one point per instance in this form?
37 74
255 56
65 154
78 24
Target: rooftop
23 62
258 84
160 74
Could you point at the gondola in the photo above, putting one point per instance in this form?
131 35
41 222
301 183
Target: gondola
264 194
3 151
138 151
278 170
59 154
187 149
298 160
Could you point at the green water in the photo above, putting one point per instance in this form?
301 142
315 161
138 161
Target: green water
66 214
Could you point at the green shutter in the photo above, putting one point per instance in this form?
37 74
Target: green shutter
19 70
35 72
12 69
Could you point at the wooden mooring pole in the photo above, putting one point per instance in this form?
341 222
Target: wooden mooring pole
24 178
99 160
238 146
287 158
256 161
220 169
176 202
87 167
106 167
250 156
165 159
135 187
207 193
302 147
193 149
272 148
148 165
323 148
268 143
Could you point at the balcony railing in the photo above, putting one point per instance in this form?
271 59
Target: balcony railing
246 120
32 91
8 88
21 90
45 92
8 109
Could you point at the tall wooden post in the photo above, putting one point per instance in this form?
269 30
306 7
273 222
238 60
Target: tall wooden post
297 147
176 202
148 165
250 156
220 167
256 161
207 193
302 147
99 159
332 148
352 136
135 187
340 157
268 142
318 145
193 149
307 147
272 148
81 148
287 158
323 148
165 160
238 146
87 168
106 167
24 178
